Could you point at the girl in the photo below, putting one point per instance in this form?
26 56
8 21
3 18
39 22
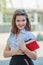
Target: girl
20 32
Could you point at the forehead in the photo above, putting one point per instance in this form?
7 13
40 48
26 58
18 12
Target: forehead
20 17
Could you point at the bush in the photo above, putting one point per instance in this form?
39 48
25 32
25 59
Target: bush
39 37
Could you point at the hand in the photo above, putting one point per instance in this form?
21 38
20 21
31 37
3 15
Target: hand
22 45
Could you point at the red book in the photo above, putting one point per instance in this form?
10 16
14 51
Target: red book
32 45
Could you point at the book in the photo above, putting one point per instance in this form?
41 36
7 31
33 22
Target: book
32 45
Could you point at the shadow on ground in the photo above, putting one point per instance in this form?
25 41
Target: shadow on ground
39 61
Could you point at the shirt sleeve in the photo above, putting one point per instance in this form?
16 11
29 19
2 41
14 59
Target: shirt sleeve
30 35
9 38
11 42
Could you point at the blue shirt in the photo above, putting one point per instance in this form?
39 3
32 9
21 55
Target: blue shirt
23 35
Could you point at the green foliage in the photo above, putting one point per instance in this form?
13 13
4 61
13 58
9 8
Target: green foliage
0 8
4 6
39 37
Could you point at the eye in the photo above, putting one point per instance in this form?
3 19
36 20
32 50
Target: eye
23 20
18 20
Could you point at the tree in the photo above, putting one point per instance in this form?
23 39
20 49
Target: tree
4 6
0 6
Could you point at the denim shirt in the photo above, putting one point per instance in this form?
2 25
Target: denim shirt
13 41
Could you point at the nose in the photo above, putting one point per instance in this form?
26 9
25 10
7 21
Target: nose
21 22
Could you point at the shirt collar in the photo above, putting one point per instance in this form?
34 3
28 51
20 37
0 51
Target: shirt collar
23 31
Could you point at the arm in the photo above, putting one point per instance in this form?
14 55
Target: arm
31 54
8 52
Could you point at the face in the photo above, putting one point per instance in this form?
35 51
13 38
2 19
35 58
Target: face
20 21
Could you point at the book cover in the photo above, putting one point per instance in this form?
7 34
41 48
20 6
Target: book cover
32 45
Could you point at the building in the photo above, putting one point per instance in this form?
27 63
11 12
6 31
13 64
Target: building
34 9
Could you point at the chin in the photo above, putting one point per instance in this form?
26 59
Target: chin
21 28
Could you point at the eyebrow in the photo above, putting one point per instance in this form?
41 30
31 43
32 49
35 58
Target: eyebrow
22 20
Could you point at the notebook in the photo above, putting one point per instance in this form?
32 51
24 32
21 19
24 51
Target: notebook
32 45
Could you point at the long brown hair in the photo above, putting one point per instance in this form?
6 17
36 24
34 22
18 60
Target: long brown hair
20 12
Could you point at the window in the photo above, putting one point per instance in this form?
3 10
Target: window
31 17
7 18
39 18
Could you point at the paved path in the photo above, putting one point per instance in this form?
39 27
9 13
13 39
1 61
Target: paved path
5 61
39 61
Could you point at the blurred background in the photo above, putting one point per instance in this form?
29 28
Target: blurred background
35 13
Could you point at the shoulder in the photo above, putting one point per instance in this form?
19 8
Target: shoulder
30 35
11 35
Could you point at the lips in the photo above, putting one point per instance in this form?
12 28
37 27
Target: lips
21 25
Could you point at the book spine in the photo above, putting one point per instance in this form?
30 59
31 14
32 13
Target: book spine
28 40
